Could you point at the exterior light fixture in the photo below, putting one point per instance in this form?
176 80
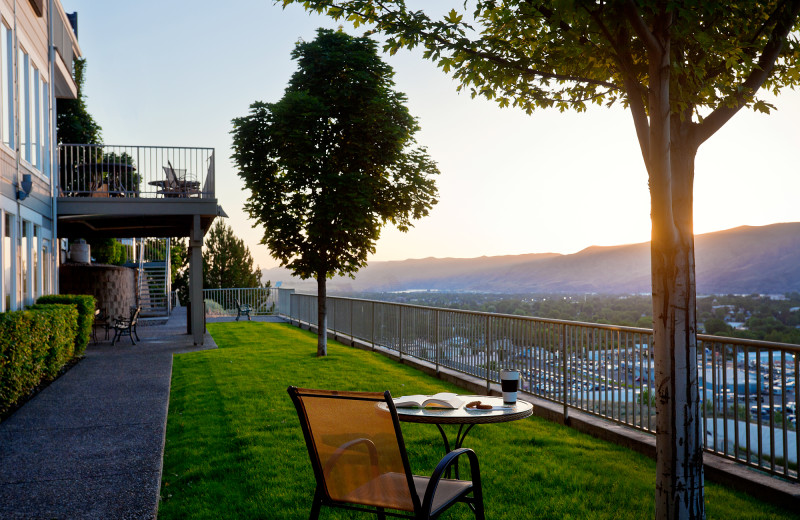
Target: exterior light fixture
26 186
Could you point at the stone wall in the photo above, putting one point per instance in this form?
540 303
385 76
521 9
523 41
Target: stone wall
113 287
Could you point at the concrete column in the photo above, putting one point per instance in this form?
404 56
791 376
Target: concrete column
196 281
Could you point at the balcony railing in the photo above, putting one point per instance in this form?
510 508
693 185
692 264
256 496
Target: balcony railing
263 301
135 171
747 387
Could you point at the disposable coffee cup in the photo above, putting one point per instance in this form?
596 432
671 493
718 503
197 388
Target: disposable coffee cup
509 381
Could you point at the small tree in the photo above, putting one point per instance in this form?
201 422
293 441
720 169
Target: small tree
683 69
227 262
331 162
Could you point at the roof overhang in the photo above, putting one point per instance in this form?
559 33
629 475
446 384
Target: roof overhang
89 218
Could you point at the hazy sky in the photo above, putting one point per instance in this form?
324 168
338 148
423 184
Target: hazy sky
175 73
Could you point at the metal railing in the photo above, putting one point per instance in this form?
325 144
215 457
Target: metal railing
747 387
99 170
262 300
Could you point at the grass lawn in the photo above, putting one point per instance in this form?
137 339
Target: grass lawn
234 447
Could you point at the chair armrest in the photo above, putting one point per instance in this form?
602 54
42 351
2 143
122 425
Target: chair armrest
373 455
447 461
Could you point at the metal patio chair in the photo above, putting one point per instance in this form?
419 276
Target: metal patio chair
360 462
242 310
127 326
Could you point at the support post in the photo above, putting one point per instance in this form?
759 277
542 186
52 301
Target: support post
196 281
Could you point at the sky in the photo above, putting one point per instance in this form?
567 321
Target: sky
175 73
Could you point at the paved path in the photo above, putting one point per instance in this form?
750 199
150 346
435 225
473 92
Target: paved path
91 444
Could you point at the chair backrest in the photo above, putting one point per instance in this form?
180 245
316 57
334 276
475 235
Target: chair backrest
356 447
135 314
174 175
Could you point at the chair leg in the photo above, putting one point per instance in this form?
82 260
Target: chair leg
381 514
136 333
315 506
116 337
479 513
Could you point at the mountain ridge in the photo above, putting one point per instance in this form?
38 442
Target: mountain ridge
742 260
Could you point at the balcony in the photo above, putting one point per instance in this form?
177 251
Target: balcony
134 191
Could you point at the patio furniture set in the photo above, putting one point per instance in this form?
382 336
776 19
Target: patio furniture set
359 458
121 325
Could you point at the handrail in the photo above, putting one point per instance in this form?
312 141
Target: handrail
134 171
747 387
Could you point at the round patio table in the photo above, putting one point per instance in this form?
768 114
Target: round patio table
467 418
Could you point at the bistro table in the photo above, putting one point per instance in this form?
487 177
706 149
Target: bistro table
466 418
181 188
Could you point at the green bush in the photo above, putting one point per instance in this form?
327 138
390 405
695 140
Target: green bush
60 327
85 305
109 251
34 345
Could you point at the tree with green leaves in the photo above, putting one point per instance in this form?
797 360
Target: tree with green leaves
332 162
683 69
74 122
227 262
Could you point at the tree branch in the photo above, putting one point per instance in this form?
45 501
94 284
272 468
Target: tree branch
641 29
635 90
730 106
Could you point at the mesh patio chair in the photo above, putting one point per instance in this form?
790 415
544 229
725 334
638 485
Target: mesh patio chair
175 185
360 462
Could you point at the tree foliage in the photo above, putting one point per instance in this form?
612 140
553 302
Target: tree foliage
74 122
683 69
227 262
333 161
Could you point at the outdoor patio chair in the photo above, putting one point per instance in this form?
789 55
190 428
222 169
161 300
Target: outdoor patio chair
101 320
360 462
175 185
242 310
127 326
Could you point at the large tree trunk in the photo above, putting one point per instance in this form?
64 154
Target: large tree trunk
679 461
322 315
670 161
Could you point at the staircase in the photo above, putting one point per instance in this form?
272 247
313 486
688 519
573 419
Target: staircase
153 289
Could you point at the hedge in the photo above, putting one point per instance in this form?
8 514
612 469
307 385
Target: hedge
34 345
85 306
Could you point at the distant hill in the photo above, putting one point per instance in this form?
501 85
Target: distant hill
743 260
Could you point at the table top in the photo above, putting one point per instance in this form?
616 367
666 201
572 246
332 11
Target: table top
163 183
499 413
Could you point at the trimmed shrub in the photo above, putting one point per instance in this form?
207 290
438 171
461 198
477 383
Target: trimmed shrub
85 305
34 345
60 328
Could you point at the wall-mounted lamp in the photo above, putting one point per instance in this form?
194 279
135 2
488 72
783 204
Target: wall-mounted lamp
26 186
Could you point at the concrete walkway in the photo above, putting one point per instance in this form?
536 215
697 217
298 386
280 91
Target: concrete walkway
91 444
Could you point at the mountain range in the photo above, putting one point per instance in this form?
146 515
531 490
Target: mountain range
743 260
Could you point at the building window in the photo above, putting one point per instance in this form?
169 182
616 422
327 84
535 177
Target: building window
7 85
24 263
5 261
36 121
23 62
45 124
47 264
37 267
